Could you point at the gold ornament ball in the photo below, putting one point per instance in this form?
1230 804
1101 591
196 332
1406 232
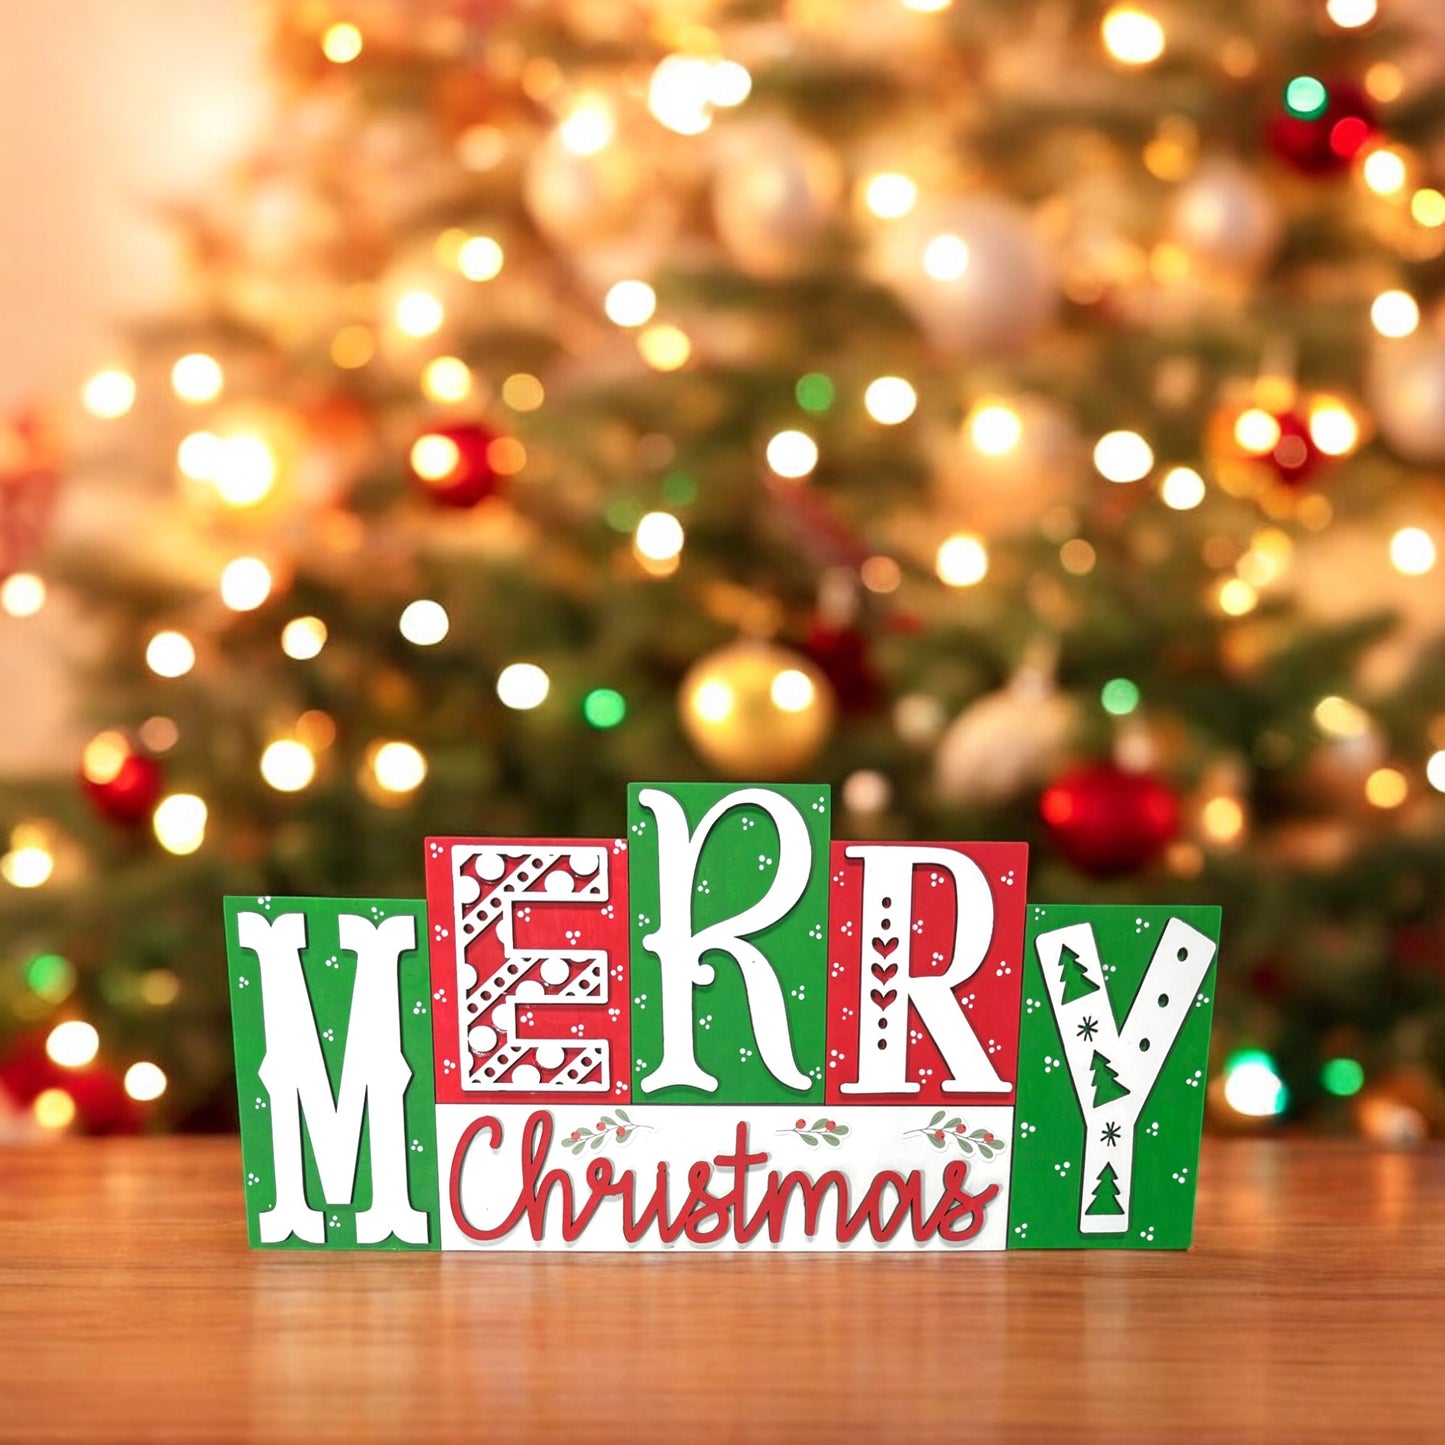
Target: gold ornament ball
756 710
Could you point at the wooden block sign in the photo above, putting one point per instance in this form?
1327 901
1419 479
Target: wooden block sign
721 1031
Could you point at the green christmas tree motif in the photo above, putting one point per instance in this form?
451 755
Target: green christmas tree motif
1077 983
1107 1087
1106 1192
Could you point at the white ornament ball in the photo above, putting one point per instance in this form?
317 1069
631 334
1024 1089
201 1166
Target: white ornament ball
1407 394
581 199
773 196
973 271
1226 217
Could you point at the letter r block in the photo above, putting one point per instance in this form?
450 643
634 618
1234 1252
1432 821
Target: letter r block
729 915
925 955
331 1011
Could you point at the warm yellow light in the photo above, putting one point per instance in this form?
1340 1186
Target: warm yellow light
109 393
1222 819
1386 788
303 637
1182 489
480 258
1338 717
180 823
588 127
419 313
316 729
630 303
22 594
792 691
1237 597
664 347
945 257
434 457
199 455
1256 431
962 560
1394 313
1427 206
729 83
245 584
159 734
243 470
424 623
1412 551
927 7
398 767
27 865
1132 36
1435 771
1123 456
995 429
352 347
679 95
159 987
1385 81
1077 557
792 454
658 537
145 1081
523 392
714 701
53 1109
170 654
506 456
104 756
890 194
1351 14
341 43
890 400
73 1044
288 765
1333 428
446 379
197 378
881 574
1384 171
523 686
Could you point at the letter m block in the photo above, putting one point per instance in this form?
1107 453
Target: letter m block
331 1008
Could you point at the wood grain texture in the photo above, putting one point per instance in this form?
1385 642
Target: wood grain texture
1312 1306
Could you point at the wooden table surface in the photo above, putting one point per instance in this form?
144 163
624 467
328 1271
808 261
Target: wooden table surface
1312 1306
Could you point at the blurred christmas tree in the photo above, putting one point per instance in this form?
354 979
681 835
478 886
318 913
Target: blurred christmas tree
1020 415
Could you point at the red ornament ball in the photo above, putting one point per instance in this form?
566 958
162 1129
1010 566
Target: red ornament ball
1106 821
461 463
842 655
1322 126
123 785
102 1105
1294 458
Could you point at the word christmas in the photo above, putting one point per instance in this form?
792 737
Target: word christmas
721 1031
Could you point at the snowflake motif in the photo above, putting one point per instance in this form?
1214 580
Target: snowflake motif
416 1147
264 902
261 1103
578 1030
764 862
1111 1133
329 1035
1181 1175
614 1013
835 970
1200 1000
439 933
1063 1169
816 931
800 993
619 845
609 912
820 805
994 1046
705 1022
640 1000
418 1009
1051 1063
1195 1079
440 995
1021 1230
253 1179
836 1057
1088 1028
1003 970
745 1054
1032 1003
335 1221
703 886
640 827
1026 1129
333 962
846 928
448 1065
243 982
1008 879
1147 1235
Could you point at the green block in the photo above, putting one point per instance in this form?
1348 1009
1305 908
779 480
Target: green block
331 1010
1113 1061
742 1009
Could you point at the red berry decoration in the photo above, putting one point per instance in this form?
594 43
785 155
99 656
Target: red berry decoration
1321 126
938 1133
620 1132
455 464
1106 821
123 785
801 1124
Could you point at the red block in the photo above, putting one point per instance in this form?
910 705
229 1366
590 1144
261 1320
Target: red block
530 972
925 953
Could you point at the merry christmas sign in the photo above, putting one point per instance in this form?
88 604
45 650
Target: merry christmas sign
723 1031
